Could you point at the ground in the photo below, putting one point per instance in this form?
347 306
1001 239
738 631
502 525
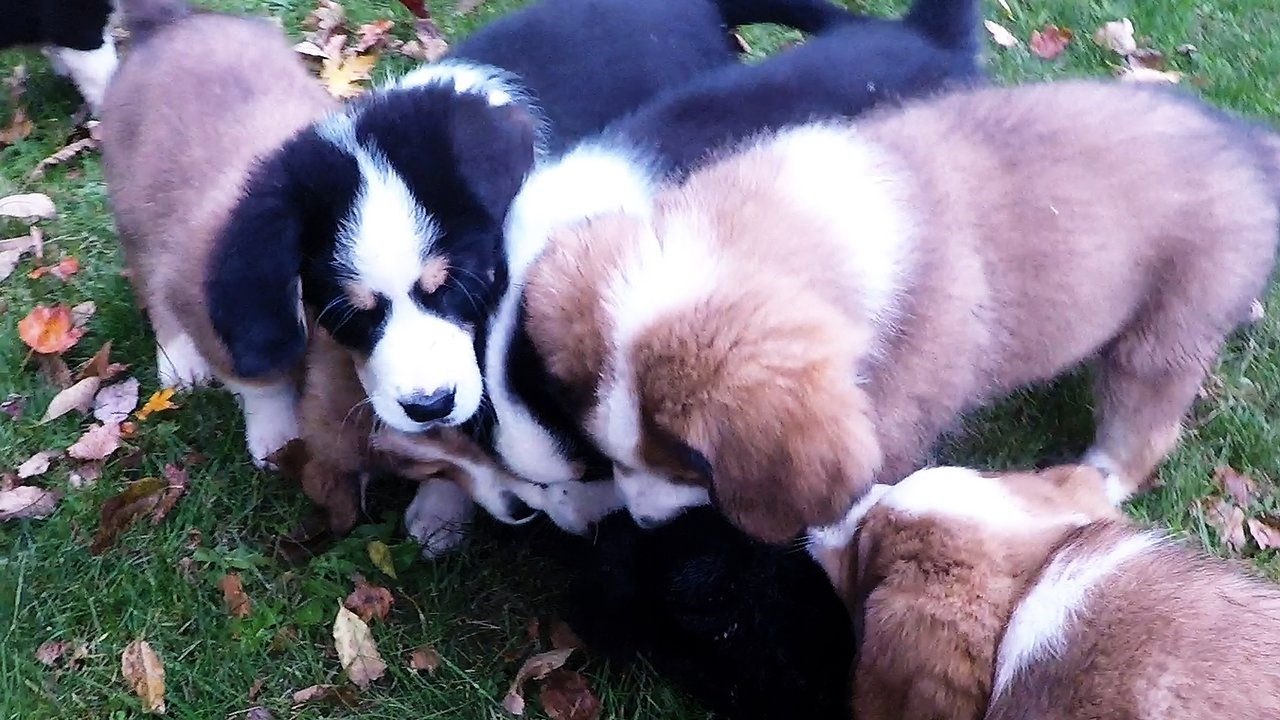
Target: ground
472 607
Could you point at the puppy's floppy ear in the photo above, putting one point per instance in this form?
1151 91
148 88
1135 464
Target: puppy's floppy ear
494 147
251 284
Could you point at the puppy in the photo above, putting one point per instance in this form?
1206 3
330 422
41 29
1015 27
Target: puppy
855 63
807 315
199 100
77 34
749 629
386 216
1026 595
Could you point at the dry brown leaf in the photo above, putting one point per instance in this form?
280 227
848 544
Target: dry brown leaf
100 365
85 475
53 370
78 397
13 250
338 695
342 75
425 658
28 206
97 443
535 668
256 689
1147 58
327 17
565 695
119 511
175 486
70 151
114 403
563 636
1000 35
9 260
49 653
372 35
356 650
27 502
49 329
19 128
1239 486
369 601
234 600
1117 36
37 464
145 674
310 49
1049 41
1228 520
1265 532
63 269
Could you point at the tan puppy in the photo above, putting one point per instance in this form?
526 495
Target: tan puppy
807 315
1026 595
199 99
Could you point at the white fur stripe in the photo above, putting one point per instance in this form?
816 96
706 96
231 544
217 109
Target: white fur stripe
1038 626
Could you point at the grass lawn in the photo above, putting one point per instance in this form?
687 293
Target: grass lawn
160 582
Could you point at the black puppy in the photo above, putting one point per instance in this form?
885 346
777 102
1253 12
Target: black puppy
754 631
76 33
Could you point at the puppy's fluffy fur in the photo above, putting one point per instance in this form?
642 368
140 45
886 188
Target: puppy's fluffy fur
1028 596
807 315
199 100
76 32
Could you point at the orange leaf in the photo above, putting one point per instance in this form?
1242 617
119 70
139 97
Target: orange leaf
62 270
49 330
1049 42
158 402
233 597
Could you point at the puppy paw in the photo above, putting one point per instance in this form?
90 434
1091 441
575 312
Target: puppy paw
270 418
439 517
1117 487
181 365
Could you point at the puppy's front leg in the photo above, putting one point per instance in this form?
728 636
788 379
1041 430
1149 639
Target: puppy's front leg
439 517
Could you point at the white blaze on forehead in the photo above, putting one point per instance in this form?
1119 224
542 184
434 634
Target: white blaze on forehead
494 84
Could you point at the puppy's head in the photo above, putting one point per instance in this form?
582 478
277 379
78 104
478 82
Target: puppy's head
383 222
701 380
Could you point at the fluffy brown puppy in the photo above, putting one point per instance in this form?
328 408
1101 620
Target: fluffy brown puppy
199 99
1026 595
807 315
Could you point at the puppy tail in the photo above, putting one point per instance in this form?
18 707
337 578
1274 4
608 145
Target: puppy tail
143 18
807 16
951 24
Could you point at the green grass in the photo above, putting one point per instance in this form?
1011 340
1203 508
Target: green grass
156 584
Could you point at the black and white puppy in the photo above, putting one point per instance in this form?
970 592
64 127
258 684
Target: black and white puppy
849 69
75 32
386 218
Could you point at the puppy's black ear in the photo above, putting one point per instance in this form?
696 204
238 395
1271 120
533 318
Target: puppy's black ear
251 284
495 148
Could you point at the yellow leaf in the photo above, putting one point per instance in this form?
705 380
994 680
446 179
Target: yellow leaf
356 649
158 402
341 75
145 674
380 554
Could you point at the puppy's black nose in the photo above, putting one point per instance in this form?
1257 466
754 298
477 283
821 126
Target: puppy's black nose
424 408
517 510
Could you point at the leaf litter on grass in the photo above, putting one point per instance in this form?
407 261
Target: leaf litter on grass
144 674
1049 41
357 651
369 601
49 330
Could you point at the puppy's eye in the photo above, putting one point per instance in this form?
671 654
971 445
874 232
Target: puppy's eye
435 272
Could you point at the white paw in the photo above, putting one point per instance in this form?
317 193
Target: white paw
439 517
1115 485
90 70
270 418
180 365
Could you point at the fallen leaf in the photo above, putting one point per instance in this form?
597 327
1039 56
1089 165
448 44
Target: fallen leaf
81 313
62 269
380 555
28 206
535 668
36 464
372 35
85 475
97 443
175 479
13 250
565 695
1049 41
1147 58
70 151
1265 532
326 17
1228 520
1117 36
1137 73
257 713
233 598
1000 35
369 601
145 674
119 512
78 397
49 329
563 636
13 405
432 40
27 502
100 365
356 649
256 689
342 75
310 49
114 403
425 658
19 128
465 7
9 260
338 695
49 653
1239 486
158 402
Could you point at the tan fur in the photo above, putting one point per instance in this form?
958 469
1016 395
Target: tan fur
435 271
1055 224
1169 634
182 126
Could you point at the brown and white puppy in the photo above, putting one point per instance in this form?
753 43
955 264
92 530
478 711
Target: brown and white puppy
1026 595
199 100
807 315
